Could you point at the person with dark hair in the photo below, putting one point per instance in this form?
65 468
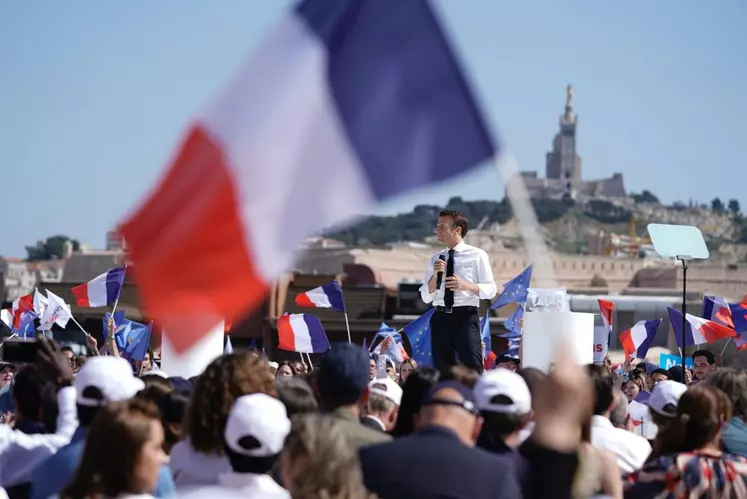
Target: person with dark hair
413 391
342 383
123 454
704 363
33 396
102 380
733 382
285 370
455 282
658 375
629 449
688 461
296 395
200 457
255 431
533 377
676 374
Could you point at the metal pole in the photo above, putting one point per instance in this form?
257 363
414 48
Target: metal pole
684 320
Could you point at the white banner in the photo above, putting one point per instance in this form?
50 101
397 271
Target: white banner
601 335
543 331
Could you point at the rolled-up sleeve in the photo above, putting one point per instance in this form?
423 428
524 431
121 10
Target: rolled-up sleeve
485 281
425 294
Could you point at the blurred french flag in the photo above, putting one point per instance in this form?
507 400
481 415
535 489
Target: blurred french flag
637 340
100 291
345 104
325 296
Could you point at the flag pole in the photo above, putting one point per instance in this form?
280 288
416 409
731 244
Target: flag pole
116 302
345 313
13 335
311 364
78 324
725 345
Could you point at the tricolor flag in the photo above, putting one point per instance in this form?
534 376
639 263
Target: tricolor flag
698 331
325 296
6 315
21 306
607 309
640 414
343 106
301 333
716 309
637 340
100 291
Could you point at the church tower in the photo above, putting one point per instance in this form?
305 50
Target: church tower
563 163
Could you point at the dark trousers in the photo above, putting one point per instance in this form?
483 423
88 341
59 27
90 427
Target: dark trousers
456 334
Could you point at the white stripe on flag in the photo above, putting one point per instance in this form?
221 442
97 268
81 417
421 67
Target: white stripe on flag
96 291
301 333
319 298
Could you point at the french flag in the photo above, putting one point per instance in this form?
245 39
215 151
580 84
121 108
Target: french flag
100 291
325 296
301 333
697 331
345 104
637 340
20 307
607 309
716 309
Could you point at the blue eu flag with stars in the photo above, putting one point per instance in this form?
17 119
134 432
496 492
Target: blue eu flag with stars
512 324
419 334
515 290
485 333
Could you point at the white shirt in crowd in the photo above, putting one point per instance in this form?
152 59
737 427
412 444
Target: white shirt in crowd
249 484
191 468
470 264
21 453
629 449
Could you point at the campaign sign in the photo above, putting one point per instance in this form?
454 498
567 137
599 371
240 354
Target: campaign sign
601 335
666 361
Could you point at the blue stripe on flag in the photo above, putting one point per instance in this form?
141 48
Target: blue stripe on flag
399 91
319 341
114 280
333 290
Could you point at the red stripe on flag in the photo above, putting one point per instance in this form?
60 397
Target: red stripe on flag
303 300
626 340
286 337
187 245
81 295
713 331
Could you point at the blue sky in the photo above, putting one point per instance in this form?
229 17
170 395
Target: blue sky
94 96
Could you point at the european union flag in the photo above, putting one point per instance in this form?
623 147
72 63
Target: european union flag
118 320
419 334
485 332
512 324
515 290
138 341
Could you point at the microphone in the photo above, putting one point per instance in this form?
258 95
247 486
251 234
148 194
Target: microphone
440 275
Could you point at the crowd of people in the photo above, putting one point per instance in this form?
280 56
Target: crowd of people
353 427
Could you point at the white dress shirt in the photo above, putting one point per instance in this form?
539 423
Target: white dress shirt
21 453
471 264
191 468
249 485
630 450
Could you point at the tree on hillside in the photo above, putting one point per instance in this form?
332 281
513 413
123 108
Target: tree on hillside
717 205
734 206
645 197
52 248
598 281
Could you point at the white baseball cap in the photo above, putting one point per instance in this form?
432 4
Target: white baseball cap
509 386
390 390
112 379
665 396
257 426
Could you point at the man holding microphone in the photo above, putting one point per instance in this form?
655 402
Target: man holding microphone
456 280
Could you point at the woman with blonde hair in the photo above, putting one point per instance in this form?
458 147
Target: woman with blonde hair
318 463
200 457
123 453
405 368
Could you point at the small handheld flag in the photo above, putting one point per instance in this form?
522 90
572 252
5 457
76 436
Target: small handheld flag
301 333
100 291
325 296
515 290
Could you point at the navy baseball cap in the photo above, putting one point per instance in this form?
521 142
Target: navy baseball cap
468 403
181 385
343 375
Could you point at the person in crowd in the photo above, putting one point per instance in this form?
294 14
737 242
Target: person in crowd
35 402
200 457
102 380
597 473
629 449
675 374
69 354
317 461
273 367
381 408
285 369
658 375
417 385
255 431
342 383
7 371
662 404
440 458
405 368
689 461
533 378
390 368
461 374
172 407
300 368
704 363
733 382
504 401
21 452
372 368
297 396
635 384
506 361
148 365
123 454
80 360
619 415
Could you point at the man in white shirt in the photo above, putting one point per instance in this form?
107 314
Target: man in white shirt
466 278
629 449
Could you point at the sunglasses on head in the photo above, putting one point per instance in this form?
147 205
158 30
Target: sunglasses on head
464 404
